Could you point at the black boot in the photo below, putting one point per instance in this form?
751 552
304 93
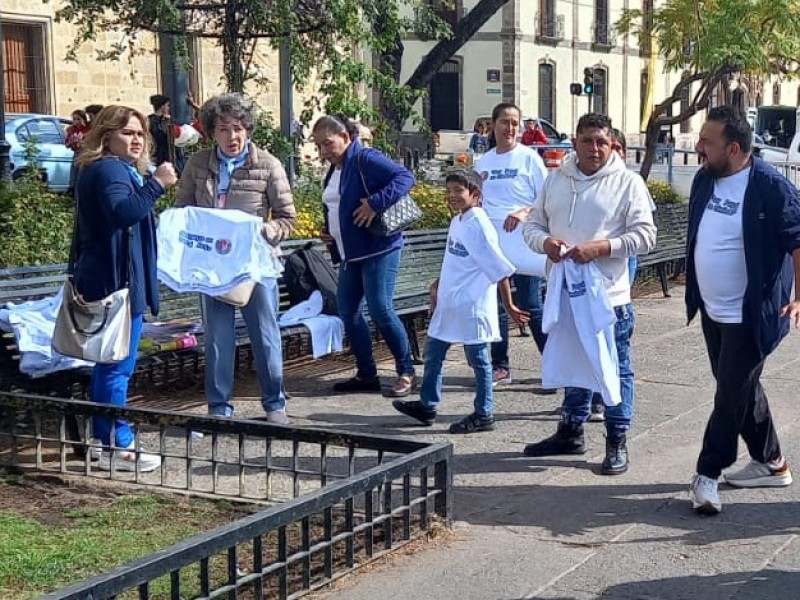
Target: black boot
616 461
568 439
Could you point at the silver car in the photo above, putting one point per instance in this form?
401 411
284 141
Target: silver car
48 133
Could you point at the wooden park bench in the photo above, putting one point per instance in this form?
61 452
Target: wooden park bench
420 264
668 258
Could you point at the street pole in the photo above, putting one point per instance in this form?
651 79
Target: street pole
287 101
5 147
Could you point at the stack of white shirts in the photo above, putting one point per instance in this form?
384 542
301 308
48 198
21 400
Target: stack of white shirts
33 324
211 251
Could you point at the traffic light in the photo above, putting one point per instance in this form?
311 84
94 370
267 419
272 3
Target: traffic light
588 80
576 89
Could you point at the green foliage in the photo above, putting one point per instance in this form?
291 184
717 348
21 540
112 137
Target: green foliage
664 193
267 135
35 224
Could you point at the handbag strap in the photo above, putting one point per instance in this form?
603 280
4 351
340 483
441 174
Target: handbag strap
75 245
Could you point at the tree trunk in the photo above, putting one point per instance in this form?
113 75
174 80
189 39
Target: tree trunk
390 62
651 146
232 48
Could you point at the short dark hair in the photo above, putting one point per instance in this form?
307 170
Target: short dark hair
594 121
334 124
736 128
469 179
504 106
620 138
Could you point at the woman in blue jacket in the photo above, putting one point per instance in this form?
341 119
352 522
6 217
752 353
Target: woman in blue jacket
360 183
116 243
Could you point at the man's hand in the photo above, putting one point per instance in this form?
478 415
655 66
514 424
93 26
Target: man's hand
364 214
520 317
589 251
792 310
434 290
514 219
552 247
326 238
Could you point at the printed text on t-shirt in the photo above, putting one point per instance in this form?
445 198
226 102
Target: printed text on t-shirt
496 174
723 206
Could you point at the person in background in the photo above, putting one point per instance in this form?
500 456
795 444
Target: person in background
237 175
533 134
75 134
594 209
92 111
513 176
479 143
360 183
743 256
464 306
160 128
115 247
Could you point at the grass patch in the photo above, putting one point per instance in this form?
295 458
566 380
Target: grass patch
47 545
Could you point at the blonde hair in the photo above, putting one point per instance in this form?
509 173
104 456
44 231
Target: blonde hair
110 119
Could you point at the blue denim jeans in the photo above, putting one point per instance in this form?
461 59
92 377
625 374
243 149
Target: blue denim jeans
529 298
373 279
261 317
109 385
577 401
633 263
478 359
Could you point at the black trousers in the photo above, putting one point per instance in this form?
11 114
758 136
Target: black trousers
740 404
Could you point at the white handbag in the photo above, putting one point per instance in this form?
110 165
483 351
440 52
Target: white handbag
98 331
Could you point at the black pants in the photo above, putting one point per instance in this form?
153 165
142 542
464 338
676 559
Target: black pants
740 404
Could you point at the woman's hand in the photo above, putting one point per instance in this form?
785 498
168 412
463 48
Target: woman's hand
165 175
364 214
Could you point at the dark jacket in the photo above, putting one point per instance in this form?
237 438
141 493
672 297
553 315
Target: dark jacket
386 181
108 204
771 231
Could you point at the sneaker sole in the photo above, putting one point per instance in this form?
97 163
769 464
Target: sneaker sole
476 430
612 472
577 452
706 508
505 381
425 422
771 481
597 418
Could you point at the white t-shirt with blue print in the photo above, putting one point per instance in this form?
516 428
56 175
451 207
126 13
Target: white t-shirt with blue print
466 309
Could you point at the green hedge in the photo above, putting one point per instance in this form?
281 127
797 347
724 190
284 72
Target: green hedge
35 225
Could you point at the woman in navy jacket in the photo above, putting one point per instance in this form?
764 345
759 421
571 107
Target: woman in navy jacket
361 183
116 243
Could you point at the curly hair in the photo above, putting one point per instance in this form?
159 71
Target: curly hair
227 106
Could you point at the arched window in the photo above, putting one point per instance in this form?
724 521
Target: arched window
547 89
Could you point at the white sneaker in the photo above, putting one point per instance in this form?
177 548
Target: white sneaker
125 460
277 416
757 474
704 496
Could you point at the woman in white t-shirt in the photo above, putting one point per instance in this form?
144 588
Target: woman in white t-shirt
513 176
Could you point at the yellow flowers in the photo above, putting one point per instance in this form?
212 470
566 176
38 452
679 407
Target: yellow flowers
430 198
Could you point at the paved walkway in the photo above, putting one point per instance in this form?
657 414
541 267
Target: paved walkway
556 529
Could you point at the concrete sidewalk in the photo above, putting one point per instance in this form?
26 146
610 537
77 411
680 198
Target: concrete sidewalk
555 528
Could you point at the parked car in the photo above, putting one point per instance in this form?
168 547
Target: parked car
451 141
48 133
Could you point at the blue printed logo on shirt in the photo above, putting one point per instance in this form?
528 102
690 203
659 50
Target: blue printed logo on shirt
223 246
454 247
497 174
723 206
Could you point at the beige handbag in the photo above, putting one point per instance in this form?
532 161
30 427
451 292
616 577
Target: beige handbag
238 296
97 331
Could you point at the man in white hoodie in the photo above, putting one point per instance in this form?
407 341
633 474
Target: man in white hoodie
597 210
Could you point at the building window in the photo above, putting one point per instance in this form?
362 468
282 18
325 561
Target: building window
602 26
600 96
547 89
547 18
25 67
776 92
686 126
446 11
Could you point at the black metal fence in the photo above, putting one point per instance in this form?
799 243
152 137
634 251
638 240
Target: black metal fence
338 500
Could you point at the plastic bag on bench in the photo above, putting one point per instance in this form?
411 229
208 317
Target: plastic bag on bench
306 269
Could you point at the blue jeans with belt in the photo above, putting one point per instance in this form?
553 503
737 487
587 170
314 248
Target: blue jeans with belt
529 298
577 401
373 279
261 317
109 385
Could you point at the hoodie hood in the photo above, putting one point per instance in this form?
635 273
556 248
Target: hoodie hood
579 181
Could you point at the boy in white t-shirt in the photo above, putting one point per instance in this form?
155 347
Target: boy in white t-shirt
464 305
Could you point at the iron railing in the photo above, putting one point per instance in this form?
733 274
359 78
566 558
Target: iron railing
337 500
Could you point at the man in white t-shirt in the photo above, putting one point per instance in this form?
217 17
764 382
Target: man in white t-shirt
464 304
513 176
743 255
